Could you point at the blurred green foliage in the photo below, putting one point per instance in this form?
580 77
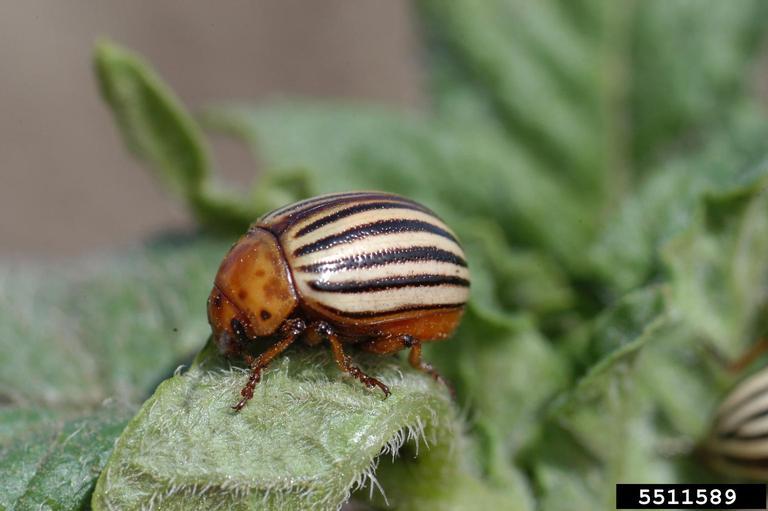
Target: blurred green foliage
603 164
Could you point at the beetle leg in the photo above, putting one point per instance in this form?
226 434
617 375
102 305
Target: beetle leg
745 359
414 358
289 332
394 343
345 364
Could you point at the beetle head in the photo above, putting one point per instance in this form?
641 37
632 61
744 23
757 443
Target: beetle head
253 292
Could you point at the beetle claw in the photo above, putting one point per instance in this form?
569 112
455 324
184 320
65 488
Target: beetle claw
370 382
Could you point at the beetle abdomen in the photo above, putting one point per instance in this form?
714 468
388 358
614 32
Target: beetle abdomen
369 256
739 440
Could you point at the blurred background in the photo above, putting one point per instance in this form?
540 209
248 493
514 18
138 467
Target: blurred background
67 185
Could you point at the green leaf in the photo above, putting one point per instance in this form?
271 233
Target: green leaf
628 252
583 450
506 278
50 461
637 412
538 69
691 67
145 313
673 357
715 264
158 130
593 421
698 221
594 90
601 394
505 410
30 310
308 439
625 321
103 328
679 374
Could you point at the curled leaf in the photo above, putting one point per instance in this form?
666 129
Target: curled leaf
308 439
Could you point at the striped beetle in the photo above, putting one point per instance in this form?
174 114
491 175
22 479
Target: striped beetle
368 268
738 443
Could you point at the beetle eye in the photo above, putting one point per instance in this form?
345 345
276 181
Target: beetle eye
238 329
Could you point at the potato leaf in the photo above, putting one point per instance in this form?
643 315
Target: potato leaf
610 427
628 252
715 264
52 460
103 328
595 91
307 440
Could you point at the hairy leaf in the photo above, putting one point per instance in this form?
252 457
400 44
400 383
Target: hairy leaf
628 253
51 461
691 67
585 448
104 328
595 90
716 263
505 410
540 71
308 439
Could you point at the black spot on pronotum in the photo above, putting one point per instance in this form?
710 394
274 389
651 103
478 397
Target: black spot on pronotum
265 315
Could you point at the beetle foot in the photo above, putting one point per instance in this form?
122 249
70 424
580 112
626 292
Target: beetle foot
438 378
427 368
247 391
368 381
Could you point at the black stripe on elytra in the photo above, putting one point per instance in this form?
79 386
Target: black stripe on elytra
733 408
285 221
386 283
738 435
358 208
745 462
384 257
733 430
390 312
295 206
394 225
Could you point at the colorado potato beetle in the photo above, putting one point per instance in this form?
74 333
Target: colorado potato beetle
366 268
738 443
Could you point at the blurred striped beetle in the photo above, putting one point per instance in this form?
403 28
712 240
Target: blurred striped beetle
738 442
369 268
